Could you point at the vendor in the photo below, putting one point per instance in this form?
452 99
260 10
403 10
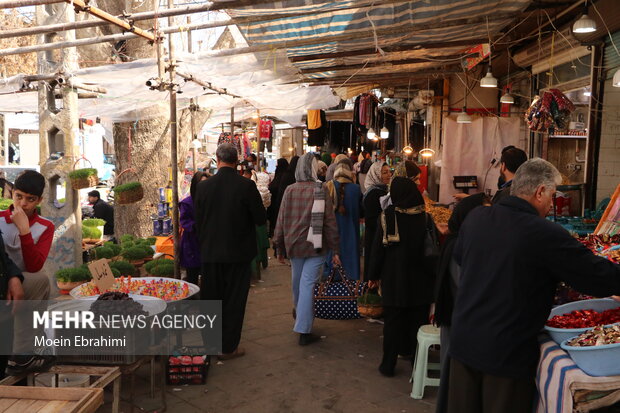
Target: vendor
512 158
102 210
511 259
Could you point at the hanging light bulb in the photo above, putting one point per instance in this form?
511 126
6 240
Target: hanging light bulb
463 117
616 81
585 24
371 134
507 98
408 150
385 133
427 153
489 80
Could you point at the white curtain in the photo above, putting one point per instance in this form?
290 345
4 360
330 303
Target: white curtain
469 148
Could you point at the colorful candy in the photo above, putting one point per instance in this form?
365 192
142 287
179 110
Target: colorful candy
167 289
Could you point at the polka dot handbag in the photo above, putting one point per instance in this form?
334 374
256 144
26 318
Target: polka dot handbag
337 300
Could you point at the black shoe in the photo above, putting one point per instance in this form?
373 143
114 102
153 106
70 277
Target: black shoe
18 365
386 371
308 338
294 314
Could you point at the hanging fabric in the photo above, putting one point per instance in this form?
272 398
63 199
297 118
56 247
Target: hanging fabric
316 136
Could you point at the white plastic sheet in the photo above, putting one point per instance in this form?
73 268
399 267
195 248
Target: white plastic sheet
265 81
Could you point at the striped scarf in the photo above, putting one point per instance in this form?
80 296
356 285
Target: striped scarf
315 232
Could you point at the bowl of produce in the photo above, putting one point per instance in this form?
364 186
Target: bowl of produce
571 319
168 289
596 351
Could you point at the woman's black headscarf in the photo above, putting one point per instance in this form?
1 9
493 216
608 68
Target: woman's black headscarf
195 181
444 295
405 194
281 168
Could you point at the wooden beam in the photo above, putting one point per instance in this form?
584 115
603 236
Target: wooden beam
388 49
389 63
81 5
336 81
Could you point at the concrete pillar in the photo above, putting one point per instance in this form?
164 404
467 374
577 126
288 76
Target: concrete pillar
59 132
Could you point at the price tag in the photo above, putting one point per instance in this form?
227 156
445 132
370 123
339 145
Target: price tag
102 274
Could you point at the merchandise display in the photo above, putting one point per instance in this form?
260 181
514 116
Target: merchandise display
167 289
598 336
585 318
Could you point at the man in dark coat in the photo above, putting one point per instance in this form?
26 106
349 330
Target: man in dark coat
102 210
512 158
511 260
228 207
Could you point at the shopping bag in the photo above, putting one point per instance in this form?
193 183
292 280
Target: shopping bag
337 300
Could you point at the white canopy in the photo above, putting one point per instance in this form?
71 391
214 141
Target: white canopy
265 81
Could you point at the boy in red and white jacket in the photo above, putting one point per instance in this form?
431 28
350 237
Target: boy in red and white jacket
27 239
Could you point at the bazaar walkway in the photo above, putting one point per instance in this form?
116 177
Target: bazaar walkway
337 374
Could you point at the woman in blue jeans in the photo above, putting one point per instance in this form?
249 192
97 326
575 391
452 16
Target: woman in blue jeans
306 230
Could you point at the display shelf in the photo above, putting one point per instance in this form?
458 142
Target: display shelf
568 136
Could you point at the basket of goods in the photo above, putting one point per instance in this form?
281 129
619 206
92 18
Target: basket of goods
168 289
188 365
596 351
91 235
69 278
84 177
370 305
569 320
128 193
550 111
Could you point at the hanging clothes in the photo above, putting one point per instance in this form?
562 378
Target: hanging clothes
340 136
314 119
235 140
317 136
265 129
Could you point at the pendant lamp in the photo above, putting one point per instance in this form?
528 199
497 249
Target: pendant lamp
585 24
489 80
371 134
463 117
408 150
616 81
427 153
385 133
507 98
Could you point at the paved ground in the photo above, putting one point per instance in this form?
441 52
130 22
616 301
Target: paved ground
338 374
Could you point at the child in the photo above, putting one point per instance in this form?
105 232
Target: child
27 240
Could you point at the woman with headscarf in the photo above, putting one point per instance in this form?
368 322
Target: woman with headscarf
377 179
405 274
332 167
288 178
190 247
274 186
346 198
447 285
306 230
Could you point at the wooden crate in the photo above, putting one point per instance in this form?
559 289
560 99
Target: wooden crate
14 399
101 377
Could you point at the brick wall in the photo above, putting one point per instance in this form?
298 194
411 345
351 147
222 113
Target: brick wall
609 159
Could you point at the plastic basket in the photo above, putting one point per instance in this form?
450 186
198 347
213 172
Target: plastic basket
188 365
595 360
562 334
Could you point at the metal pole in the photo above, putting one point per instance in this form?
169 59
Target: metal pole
189 35
192 108
174 152
232 120
22 3
83 6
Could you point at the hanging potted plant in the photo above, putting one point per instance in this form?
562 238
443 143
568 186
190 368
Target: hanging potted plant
128 193
83 178
69 278
135 255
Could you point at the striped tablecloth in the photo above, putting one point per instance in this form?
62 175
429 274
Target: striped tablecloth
565 388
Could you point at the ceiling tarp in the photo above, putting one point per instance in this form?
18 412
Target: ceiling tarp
375 26
264 81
